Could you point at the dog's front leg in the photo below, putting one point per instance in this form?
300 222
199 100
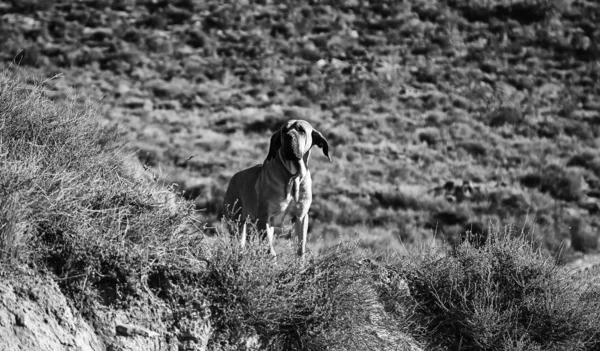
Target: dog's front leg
270 237
301 227
243 234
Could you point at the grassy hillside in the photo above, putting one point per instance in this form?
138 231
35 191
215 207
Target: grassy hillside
75 210
443 115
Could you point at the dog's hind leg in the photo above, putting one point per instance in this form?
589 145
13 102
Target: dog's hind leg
265 227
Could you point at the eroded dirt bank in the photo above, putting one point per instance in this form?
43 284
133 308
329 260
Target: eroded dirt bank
35 315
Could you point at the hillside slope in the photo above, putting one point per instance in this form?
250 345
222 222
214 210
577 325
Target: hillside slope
442 116
94 255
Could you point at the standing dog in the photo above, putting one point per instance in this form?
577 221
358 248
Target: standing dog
279 188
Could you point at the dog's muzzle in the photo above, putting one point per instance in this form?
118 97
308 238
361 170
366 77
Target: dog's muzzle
291 147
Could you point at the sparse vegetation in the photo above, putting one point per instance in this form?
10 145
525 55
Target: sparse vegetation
69 203
111 237
329 302
443 117
505 295
413 93
560 183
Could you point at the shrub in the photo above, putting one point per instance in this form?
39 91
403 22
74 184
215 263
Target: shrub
12 238
30 6
431 136
561 184
504 295
583 237
474 148
556 181
524 11
69 204
587 160
579 130
531 180
505 115
329 302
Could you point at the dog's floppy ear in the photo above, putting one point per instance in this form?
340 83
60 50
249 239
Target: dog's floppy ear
319 140
275 145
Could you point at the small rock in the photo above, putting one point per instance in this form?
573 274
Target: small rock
123 88
198 101
29 24
20 319
338 64
133 330
321 63
160 42
98 34
194 65
105 86
185 50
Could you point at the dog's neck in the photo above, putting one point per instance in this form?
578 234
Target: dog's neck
298 171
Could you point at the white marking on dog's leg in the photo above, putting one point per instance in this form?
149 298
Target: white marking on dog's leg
270 236
243 233
301 227
296 188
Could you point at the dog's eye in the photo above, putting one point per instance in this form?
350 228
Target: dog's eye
301 129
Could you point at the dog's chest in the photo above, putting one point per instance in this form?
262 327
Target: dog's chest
294 203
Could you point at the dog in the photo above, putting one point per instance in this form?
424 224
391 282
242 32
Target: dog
281 187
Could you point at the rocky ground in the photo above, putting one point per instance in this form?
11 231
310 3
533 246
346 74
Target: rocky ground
441 117
35 315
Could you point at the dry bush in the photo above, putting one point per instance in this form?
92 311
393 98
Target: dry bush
331 301
13 230
583 237
524 11
30 6
561 183
587 160
70 206
555 180
503 295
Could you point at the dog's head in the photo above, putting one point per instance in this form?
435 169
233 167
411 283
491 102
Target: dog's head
293 142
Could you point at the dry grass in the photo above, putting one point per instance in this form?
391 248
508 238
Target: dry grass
330 301
410 94
503 295
71 208
69 203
